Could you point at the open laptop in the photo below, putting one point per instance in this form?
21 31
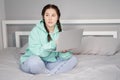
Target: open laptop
69 40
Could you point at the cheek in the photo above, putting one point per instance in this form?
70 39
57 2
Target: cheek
45 20
55 20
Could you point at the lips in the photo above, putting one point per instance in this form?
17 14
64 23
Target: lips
50 22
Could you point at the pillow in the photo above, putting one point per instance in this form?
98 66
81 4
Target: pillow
23 49
94 46
99 46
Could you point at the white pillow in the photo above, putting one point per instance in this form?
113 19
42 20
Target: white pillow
99 46
94 46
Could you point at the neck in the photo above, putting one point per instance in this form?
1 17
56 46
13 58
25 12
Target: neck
51 29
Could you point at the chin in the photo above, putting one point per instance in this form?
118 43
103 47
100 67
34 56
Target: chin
50 25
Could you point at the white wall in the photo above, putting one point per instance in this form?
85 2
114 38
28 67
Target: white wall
70 9
2 16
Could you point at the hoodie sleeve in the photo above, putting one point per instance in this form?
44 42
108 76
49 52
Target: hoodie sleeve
36 47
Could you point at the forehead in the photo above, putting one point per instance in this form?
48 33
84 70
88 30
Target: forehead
50 10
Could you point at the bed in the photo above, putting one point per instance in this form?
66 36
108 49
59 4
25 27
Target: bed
99 57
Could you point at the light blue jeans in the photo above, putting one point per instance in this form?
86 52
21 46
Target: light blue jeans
36 65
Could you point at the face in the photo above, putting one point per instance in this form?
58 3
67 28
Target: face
50 17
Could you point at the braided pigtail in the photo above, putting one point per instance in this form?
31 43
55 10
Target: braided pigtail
59 26
48 36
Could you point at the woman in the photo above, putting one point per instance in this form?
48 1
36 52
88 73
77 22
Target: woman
40 56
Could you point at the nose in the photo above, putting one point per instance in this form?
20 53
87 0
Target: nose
50 17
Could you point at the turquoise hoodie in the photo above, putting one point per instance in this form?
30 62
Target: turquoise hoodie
39 46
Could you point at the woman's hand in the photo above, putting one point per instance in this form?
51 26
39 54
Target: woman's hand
64 51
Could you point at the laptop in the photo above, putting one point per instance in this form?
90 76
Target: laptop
69 40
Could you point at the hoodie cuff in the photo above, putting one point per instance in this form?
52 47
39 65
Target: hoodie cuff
65 56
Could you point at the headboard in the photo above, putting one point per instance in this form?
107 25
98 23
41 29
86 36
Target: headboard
91 21
21 33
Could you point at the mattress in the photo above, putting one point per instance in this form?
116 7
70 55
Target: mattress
89 67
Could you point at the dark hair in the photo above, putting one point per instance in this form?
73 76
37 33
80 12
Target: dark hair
48 6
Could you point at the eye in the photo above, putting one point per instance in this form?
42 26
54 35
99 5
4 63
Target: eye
53 15
46 15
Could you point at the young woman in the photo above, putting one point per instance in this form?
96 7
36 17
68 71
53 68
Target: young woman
43 37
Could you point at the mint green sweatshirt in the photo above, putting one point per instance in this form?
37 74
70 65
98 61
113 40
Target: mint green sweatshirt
38 45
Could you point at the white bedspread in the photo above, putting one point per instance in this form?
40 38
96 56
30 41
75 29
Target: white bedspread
90 67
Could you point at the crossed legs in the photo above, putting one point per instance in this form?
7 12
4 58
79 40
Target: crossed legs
36 65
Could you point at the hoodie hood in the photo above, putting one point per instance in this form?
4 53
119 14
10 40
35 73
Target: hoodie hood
40 25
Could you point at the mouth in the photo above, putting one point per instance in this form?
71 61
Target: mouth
50 22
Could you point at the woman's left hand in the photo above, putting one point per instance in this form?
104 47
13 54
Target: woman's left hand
64 51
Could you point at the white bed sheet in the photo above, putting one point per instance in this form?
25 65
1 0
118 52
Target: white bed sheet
90 67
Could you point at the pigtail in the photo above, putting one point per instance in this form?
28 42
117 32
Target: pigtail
59 26
48 36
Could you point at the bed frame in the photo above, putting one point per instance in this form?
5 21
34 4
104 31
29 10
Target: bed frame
91 21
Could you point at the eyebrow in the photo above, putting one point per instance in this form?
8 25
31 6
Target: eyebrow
52 13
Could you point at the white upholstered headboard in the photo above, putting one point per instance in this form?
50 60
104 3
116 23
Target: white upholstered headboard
21 33
91 21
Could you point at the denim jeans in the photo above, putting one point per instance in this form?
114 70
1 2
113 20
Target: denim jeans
36 65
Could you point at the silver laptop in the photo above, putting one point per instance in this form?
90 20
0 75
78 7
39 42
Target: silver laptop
69 40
